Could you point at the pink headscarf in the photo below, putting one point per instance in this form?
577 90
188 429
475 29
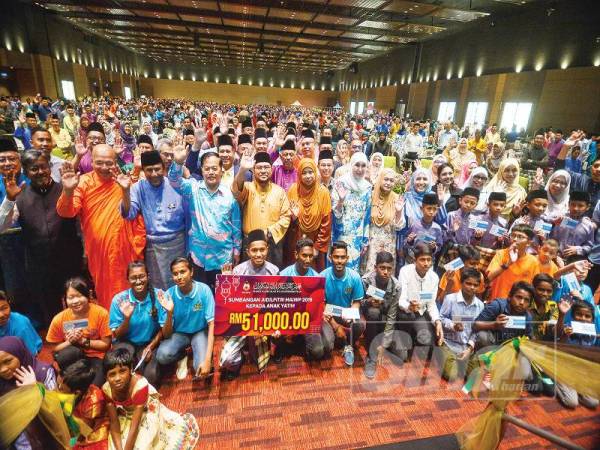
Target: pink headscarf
465 172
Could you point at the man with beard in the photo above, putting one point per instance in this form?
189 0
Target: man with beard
41 140
53 248
536 156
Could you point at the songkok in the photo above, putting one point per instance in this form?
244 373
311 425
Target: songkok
96 126
7 144
471 192
247 123
144 139
497 196
216 130
224 139
291 132
430 198
580 196
262 157
325 140
288 145
290 125
260 133
30 115
244 139
538 193
308 133
151 158
325 154
256 235
188 132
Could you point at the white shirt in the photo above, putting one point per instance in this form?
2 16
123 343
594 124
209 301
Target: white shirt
413 143
412 285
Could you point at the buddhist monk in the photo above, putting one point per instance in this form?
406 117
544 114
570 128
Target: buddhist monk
111 242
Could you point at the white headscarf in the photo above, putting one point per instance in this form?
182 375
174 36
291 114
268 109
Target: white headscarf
558 206
360 185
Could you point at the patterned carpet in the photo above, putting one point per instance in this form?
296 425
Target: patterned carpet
325 405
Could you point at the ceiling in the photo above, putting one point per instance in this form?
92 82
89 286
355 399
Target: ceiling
313 35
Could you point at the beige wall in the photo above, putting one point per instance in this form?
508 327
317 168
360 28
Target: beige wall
224 93
565 99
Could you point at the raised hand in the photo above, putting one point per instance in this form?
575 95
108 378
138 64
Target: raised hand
247 160
456 224
118 145
137 158
80 147
13 189
68 177
399 204
180 153
564 307
518 207
342 191
126 308
295 209
227 269
165 301
441 190
123 180
513 253
25 376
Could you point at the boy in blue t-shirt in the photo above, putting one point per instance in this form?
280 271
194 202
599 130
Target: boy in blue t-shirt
305 255
190 308
344 288
18 325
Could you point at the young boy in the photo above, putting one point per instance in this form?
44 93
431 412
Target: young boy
425 231
537 202
496 203
458 312
344 288
512 264
547 253
18 325
575 233
450 282
380 313
585 313
543 309
189 320
231 354
305 255
574 164
458 224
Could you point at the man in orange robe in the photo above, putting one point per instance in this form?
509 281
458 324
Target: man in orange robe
111 242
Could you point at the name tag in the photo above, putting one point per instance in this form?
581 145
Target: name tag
498 231
455 264
351 314
544 226
477 224
569 223
584 328
425 297
333 310
427 238
518 322
571 281
75 324
375 292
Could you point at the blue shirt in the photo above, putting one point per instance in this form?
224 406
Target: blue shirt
215 221
588 296
19 326
20 179
142 326
502 306
192 312
343 291
24 134
162 208
291 271
455 308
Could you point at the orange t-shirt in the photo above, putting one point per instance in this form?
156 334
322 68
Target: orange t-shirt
551 268
524 269
97 327
457 285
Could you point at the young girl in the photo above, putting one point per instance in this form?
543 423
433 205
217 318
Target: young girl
15 324
138 421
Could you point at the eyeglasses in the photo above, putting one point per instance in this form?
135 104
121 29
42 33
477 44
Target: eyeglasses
104 163
357 146
480 177
11 159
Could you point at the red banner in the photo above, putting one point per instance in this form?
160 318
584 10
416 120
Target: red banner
248 305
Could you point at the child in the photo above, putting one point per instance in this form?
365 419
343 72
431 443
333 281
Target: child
547 253
137 418
15 324
537 202
512 264
581 312
573 164
458 226
450 282
458 312
576 236
426 231
496 203
305 255
90 406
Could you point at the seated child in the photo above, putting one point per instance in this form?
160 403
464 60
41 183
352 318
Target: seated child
15 324
575 236
450 282
137 417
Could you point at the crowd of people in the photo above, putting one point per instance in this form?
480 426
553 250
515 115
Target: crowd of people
117 216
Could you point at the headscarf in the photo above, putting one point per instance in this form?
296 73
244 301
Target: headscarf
433 168
558 206
314 202
483 197
515 193
494 160
359 185
16 347
383 209
128 141
83 131
413 199
336 157
464 174
373 171
475 171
